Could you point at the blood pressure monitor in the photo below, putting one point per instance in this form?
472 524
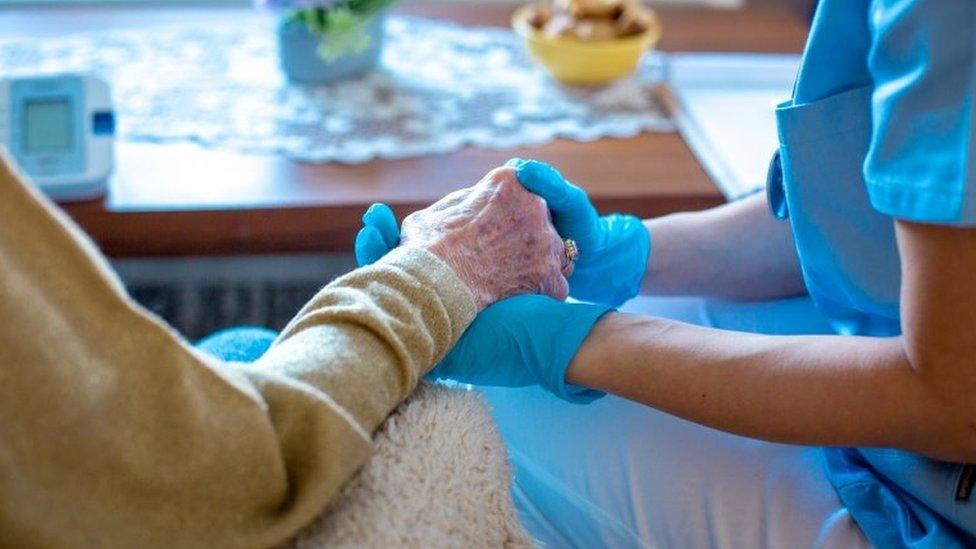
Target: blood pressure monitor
59 129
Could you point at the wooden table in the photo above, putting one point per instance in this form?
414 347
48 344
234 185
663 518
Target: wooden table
177 200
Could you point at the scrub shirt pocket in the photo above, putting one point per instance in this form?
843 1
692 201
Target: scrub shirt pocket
846 248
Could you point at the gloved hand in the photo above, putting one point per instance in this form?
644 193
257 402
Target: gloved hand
521 341
516 342
379 235
613 249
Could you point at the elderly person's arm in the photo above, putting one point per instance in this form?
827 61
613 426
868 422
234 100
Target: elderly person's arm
115 432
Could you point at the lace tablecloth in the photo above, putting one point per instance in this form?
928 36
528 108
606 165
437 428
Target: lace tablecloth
441 87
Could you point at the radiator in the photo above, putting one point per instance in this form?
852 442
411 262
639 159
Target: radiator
200 295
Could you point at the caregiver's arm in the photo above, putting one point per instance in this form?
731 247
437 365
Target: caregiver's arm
736 251
912 392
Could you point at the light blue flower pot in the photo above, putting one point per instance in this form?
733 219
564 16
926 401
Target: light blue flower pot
301 62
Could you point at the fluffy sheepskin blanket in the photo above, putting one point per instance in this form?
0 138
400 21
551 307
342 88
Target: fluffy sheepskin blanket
440 478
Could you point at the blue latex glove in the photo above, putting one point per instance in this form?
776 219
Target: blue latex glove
379 235
521 341
516 342
613 249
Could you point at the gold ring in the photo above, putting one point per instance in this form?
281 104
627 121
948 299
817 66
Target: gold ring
571 249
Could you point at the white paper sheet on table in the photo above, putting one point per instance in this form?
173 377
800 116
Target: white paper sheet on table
724 106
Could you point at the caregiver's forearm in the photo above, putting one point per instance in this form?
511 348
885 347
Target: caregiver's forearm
736 251
816 390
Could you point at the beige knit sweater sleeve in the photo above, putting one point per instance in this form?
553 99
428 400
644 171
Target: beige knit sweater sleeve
114 432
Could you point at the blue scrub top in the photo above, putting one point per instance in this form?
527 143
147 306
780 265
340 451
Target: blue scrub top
880 126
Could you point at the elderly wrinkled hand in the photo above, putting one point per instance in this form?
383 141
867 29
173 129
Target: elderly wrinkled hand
518 341
496 236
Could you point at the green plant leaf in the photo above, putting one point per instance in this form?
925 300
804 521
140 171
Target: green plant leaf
340 27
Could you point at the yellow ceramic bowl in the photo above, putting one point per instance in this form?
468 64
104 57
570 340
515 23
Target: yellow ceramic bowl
592 62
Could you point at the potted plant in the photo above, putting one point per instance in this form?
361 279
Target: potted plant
324 41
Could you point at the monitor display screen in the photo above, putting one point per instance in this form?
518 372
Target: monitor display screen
48 125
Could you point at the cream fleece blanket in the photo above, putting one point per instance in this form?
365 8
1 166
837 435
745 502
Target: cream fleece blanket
439 478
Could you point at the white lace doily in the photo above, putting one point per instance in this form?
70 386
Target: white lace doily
441 87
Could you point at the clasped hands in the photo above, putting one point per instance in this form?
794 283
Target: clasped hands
498 238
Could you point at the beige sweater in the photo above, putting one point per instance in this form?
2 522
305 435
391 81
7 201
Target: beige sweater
114 432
